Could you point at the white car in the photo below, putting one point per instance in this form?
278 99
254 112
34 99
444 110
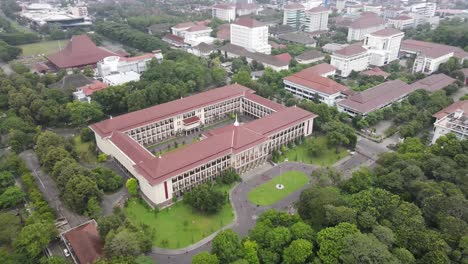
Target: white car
66 252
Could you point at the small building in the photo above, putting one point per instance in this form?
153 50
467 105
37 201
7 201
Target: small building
351 58
250 34
430 55
174 41
84 243
452 119
401 22
285 57
84 93
310 56
138 64
226 12
298 38
332 47
433 83
375 98
376 71
72 81
312 84
121 78
202 50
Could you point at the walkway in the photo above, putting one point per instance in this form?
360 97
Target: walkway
245 212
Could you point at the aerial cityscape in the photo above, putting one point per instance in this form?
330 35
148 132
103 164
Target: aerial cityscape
234 131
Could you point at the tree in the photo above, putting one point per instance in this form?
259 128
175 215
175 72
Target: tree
365 248
106 179
218 74
34 238
338 214
93 209
242 77
46 140
362 179
11 197
88 71
250 249
122 242
315 147
404 255
8 235
205 198
132 187
82 113
205 258
326 176
332 241
339 134
54 155
298 252
79 190
6 180
278 238
301 230
226 246
312 201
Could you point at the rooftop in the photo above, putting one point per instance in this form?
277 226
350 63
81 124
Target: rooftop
376 97
122 77
310 55
431 50
312 79
387 32
89 89
351 50
285 57
300 38
260 57
80 51
367 21
433 82
376 71
224 6
293 6
72 81
248 22
85 242
460 105
318 9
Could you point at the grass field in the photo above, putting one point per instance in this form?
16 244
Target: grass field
326 158
179 226
44 47
268 194
85 154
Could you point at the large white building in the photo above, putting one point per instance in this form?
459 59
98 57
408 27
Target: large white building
383 46
193 33
226 12
316 19
401 22
351 58
240 147
363 25
114 64
430 55
251 35
293 15
425 9
452 119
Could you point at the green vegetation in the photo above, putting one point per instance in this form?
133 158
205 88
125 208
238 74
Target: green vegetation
302 153
84 150
179 225
268 194
44 47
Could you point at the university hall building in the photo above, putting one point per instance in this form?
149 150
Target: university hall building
239 146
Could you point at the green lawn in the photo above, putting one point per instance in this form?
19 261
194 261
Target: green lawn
85 153
44 47
179 226
326 158
268 194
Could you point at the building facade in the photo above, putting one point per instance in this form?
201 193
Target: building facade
239 146
401 22
383 46
316 19
293 15
351 58
364 25
251 35
114 64
453 119
224 12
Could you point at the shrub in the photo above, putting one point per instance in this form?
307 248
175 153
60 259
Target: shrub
228 177
206 199
102 158
86 134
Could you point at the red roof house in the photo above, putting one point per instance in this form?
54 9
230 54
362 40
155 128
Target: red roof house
285 57
84 243
89 89
80 51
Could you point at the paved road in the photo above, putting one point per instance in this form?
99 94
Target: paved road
109 201
49 189
246 212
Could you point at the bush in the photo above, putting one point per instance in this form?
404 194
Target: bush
107 180
206 199
228 177
102 158
86 134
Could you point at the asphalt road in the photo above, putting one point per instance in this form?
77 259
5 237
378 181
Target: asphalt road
49 189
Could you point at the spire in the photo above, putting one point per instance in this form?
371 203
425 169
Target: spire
237 122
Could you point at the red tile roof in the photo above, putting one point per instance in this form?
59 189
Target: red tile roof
224 32
95 86
159 112
402 17
85 242
293 6
198 28
351 50
309 79
319 69
431 50
265 102
367 21
248 22
386 32
463 105
377 96
174 38
318 9
145 56
285 57
376 71
80 51
433 82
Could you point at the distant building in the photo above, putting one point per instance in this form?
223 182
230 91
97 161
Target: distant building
138 64
121 78
393 12
425 8
375 98
84 243
79 52
401 22
430 55
80 11
193 33
202 50
316 19
452 119
293 15
280 29
268 61
298 38
251 35
383 46
351 58
310 56
84 93
244 9
174 41
312 83
376 71
433 83
332 47
373 8
39 15
363 25
226 12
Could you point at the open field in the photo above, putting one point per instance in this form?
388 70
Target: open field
179 225
44 47
268 194
326 158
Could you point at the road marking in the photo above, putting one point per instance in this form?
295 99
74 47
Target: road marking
39 178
